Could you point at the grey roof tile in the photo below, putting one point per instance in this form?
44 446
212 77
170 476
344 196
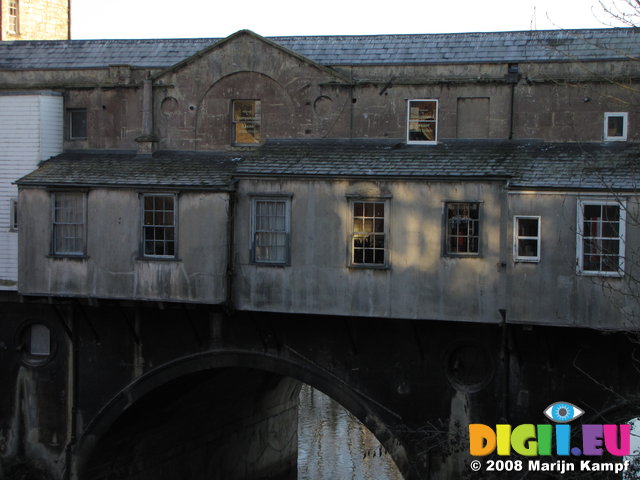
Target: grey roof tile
481 47
535 165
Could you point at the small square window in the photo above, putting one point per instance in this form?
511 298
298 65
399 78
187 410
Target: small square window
615 126
422 122
246 122
77 124
462 229
368 237
526 239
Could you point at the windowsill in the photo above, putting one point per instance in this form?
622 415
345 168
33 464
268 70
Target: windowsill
369 266
601 274
526 260
267 264
158 259
67 256
462 255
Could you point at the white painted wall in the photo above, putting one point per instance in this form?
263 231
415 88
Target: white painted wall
31 130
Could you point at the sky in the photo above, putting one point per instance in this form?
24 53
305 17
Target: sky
92 19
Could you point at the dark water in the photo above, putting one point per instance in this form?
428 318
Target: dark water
334 445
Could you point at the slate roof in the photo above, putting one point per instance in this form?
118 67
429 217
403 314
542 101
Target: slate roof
181 170
527 46
535 165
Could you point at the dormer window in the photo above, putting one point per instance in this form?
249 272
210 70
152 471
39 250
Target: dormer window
246 122
422 122
615 126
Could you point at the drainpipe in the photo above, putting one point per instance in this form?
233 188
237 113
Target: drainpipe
147 140
229 303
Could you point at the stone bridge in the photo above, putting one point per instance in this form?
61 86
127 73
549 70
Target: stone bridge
143 390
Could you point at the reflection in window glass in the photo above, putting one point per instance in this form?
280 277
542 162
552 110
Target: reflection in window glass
526 239
422 121
368 237
39 340
246 122
463 228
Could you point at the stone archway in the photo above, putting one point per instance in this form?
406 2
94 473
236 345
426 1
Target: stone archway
226 413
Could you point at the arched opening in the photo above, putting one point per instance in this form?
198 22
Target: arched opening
219 417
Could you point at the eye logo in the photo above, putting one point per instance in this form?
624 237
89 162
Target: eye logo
562 412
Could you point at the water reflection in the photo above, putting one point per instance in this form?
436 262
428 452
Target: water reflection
334 445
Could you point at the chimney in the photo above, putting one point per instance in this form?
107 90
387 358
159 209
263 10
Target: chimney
146 141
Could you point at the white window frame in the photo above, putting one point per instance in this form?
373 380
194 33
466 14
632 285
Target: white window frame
517 237
434 121
258 230
59 226
14 17
622 206
625 129
355 234
153 226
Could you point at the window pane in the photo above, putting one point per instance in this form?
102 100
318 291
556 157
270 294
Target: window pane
368 239
601 243
78 123
528 248
528 227
463 228
158 229
246 119
422 120
270 231
615 125
68 223
40 341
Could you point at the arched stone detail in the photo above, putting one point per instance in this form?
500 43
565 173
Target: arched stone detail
358 404
280 115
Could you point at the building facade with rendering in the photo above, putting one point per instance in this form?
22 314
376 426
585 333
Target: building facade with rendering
481 178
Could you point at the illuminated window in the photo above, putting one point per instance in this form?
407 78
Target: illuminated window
422 122
159 225
270 230
368 237
14 23
615 126
526 239
600 240
68 223
246 122
462 228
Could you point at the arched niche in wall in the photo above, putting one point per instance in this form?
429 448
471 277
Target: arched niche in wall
277 115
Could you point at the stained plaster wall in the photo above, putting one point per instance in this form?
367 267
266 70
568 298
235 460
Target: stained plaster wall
419 282
113 267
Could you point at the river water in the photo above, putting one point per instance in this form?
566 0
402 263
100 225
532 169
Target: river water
334 445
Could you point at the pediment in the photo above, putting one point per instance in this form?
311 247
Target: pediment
248 51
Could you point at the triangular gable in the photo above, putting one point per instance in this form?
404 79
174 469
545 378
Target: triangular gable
221 43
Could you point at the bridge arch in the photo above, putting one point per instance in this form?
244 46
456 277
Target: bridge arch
285 367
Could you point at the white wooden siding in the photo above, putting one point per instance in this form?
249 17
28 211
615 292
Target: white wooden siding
31 130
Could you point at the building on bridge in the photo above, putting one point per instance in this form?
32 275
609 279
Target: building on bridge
379 216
